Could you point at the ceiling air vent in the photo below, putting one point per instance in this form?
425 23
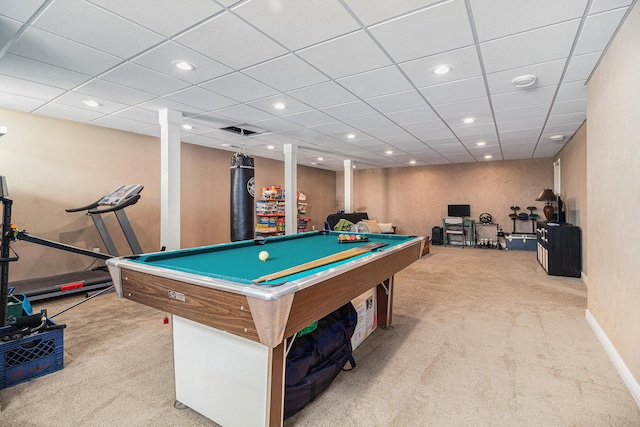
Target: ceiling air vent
239 131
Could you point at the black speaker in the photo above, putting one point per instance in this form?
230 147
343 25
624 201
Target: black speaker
437 236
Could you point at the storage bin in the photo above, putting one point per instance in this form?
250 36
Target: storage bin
30 357
521 242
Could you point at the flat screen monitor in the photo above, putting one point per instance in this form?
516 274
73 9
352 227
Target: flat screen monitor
459 210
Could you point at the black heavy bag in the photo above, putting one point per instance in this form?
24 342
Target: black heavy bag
242 197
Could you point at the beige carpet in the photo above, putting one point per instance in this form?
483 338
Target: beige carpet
480 338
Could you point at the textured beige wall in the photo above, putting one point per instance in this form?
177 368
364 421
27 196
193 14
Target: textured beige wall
52 165
573 166
613 174
415 199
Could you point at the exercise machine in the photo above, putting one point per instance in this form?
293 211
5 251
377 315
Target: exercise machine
87 280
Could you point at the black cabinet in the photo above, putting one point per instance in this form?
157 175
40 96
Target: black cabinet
559 249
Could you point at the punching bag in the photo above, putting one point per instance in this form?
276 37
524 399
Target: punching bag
242 197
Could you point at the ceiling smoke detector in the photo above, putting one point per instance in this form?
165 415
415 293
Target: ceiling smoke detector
524 81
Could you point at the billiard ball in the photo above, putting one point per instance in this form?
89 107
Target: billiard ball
263 255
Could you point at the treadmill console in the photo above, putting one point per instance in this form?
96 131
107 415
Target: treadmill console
120 194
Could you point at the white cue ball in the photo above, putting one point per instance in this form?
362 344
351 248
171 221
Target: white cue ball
263 255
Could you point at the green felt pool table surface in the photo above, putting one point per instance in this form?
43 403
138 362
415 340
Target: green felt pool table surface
239 262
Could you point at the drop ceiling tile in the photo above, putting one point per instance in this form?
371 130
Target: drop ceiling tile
161 59
286 73
523 49
382 81
570 121
475 133
547 74
201 99
19 102
402 37
350 110
598 6
117 36
413 116
597 31
401 101
298 24
572 106
460 158
140 115
429 135
243 113
20 10
276 124
572 90
369 122
521 16
113 91
385 10
158 104
528 135
456 111
293 105
534 111
310 118
68 113
51 49
334 128
74 99
534 122
29 89
323 95
151 131
581 66
150 15
240 87
8 28
120 123
243 45
454 91
145 79
525 98
302 133
39 72
336 57
464 61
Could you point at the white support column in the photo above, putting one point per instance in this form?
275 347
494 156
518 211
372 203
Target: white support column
170 178
348 185
291 189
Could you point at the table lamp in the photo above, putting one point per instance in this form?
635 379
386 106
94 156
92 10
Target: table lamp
547 196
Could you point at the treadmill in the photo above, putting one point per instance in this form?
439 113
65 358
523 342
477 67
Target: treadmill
87 280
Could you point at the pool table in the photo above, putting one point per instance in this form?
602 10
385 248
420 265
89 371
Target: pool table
230 332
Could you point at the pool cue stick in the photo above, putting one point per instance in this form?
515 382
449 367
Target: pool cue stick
322 261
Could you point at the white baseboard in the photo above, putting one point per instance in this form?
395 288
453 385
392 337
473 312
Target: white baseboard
584 278
631 383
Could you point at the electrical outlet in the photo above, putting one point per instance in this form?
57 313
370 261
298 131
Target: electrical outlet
96 250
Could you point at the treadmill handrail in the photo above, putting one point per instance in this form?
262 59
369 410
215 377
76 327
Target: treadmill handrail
128 202
84 208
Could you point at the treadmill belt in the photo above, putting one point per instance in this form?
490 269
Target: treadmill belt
62 285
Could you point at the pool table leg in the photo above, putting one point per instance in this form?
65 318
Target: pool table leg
385 303
276 397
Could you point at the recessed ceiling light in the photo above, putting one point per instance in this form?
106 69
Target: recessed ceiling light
270 147
279 106
412 162
524 81
91 103
187 127
351 136
488 156
226 145
320 159
314 163
183 65
468 120
442 69
388 152
481 144
556 137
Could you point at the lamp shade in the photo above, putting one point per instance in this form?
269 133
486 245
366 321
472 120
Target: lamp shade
546 195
